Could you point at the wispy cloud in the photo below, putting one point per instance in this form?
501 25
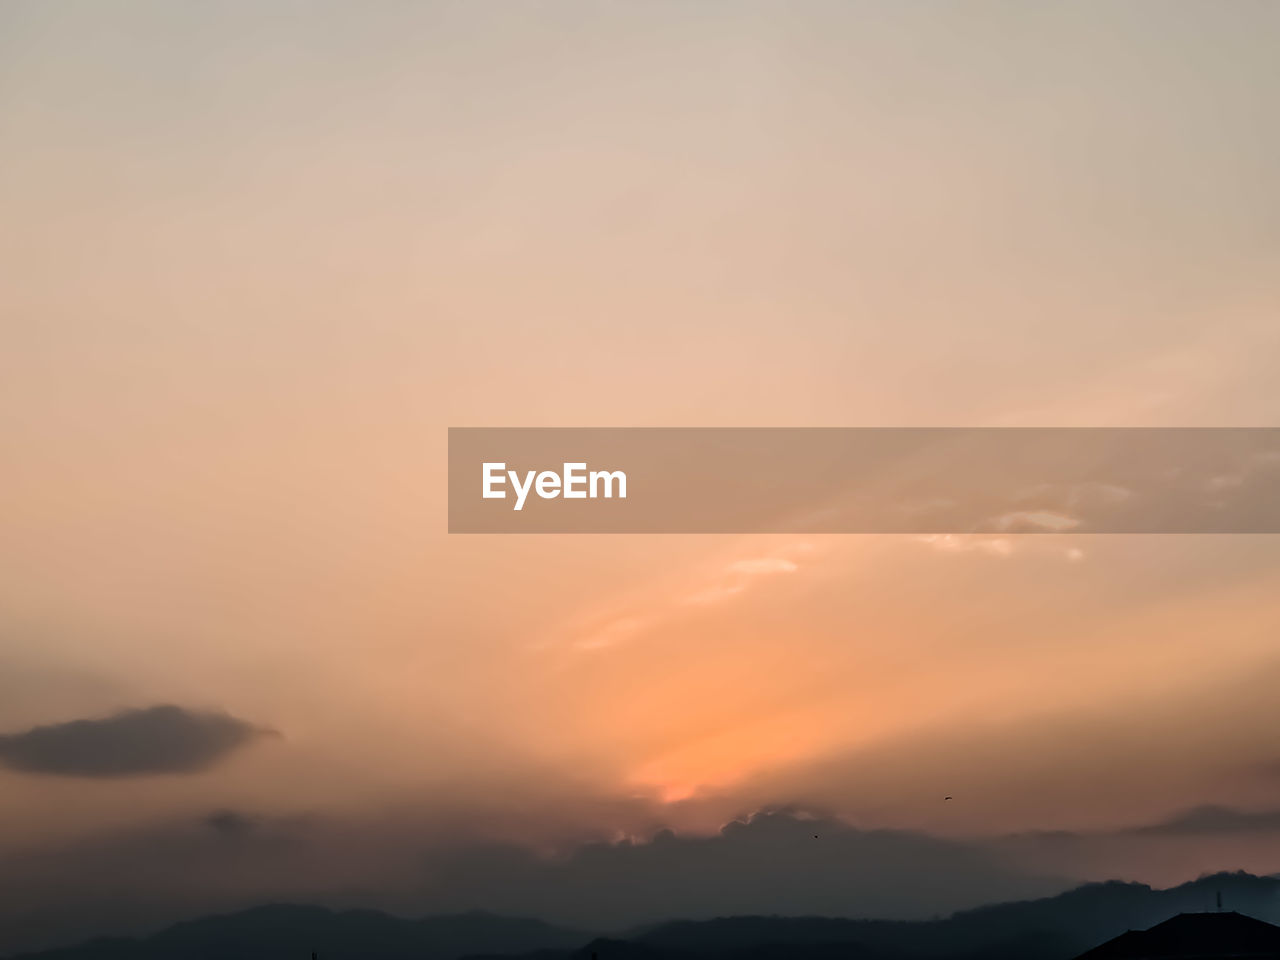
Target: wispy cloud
724 581
1035 521
740 575
966 543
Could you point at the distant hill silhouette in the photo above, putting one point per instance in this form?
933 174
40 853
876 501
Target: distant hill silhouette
276 932
1054 928
767 862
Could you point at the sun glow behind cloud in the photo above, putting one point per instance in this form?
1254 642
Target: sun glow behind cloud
258 264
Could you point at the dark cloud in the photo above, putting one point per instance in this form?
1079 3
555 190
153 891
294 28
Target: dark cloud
133 881
779 862
1208 820
229 823
1187 844
155 740
414 862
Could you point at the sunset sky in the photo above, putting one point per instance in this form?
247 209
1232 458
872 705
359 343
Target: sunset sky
256 258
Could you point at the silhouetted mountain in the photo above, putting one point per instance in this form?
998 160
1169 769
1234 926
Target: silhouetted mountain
1055 928
275 932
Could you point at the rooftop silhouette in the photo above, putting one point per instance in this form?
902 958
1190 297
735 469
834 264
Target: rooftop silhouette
1194 936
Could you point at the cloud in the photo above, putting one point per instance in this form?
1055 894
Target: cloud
728 580
229 823
762 565
612 633
781 861
154 740
1035 521
1214 820
411 861
738 575
770 862
996 546
962 543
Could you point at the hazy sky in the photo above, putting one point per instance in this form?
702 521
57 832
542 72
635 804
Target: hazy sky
255 258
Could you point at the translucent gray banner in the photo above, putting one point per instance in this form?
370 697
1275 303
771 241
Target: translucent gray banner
864 480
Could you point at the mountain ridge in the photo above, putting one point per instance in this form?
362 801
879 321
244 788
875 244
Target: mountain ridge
1048 928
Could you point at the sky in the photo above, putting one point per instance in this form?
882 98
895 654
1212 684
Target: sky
256 258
